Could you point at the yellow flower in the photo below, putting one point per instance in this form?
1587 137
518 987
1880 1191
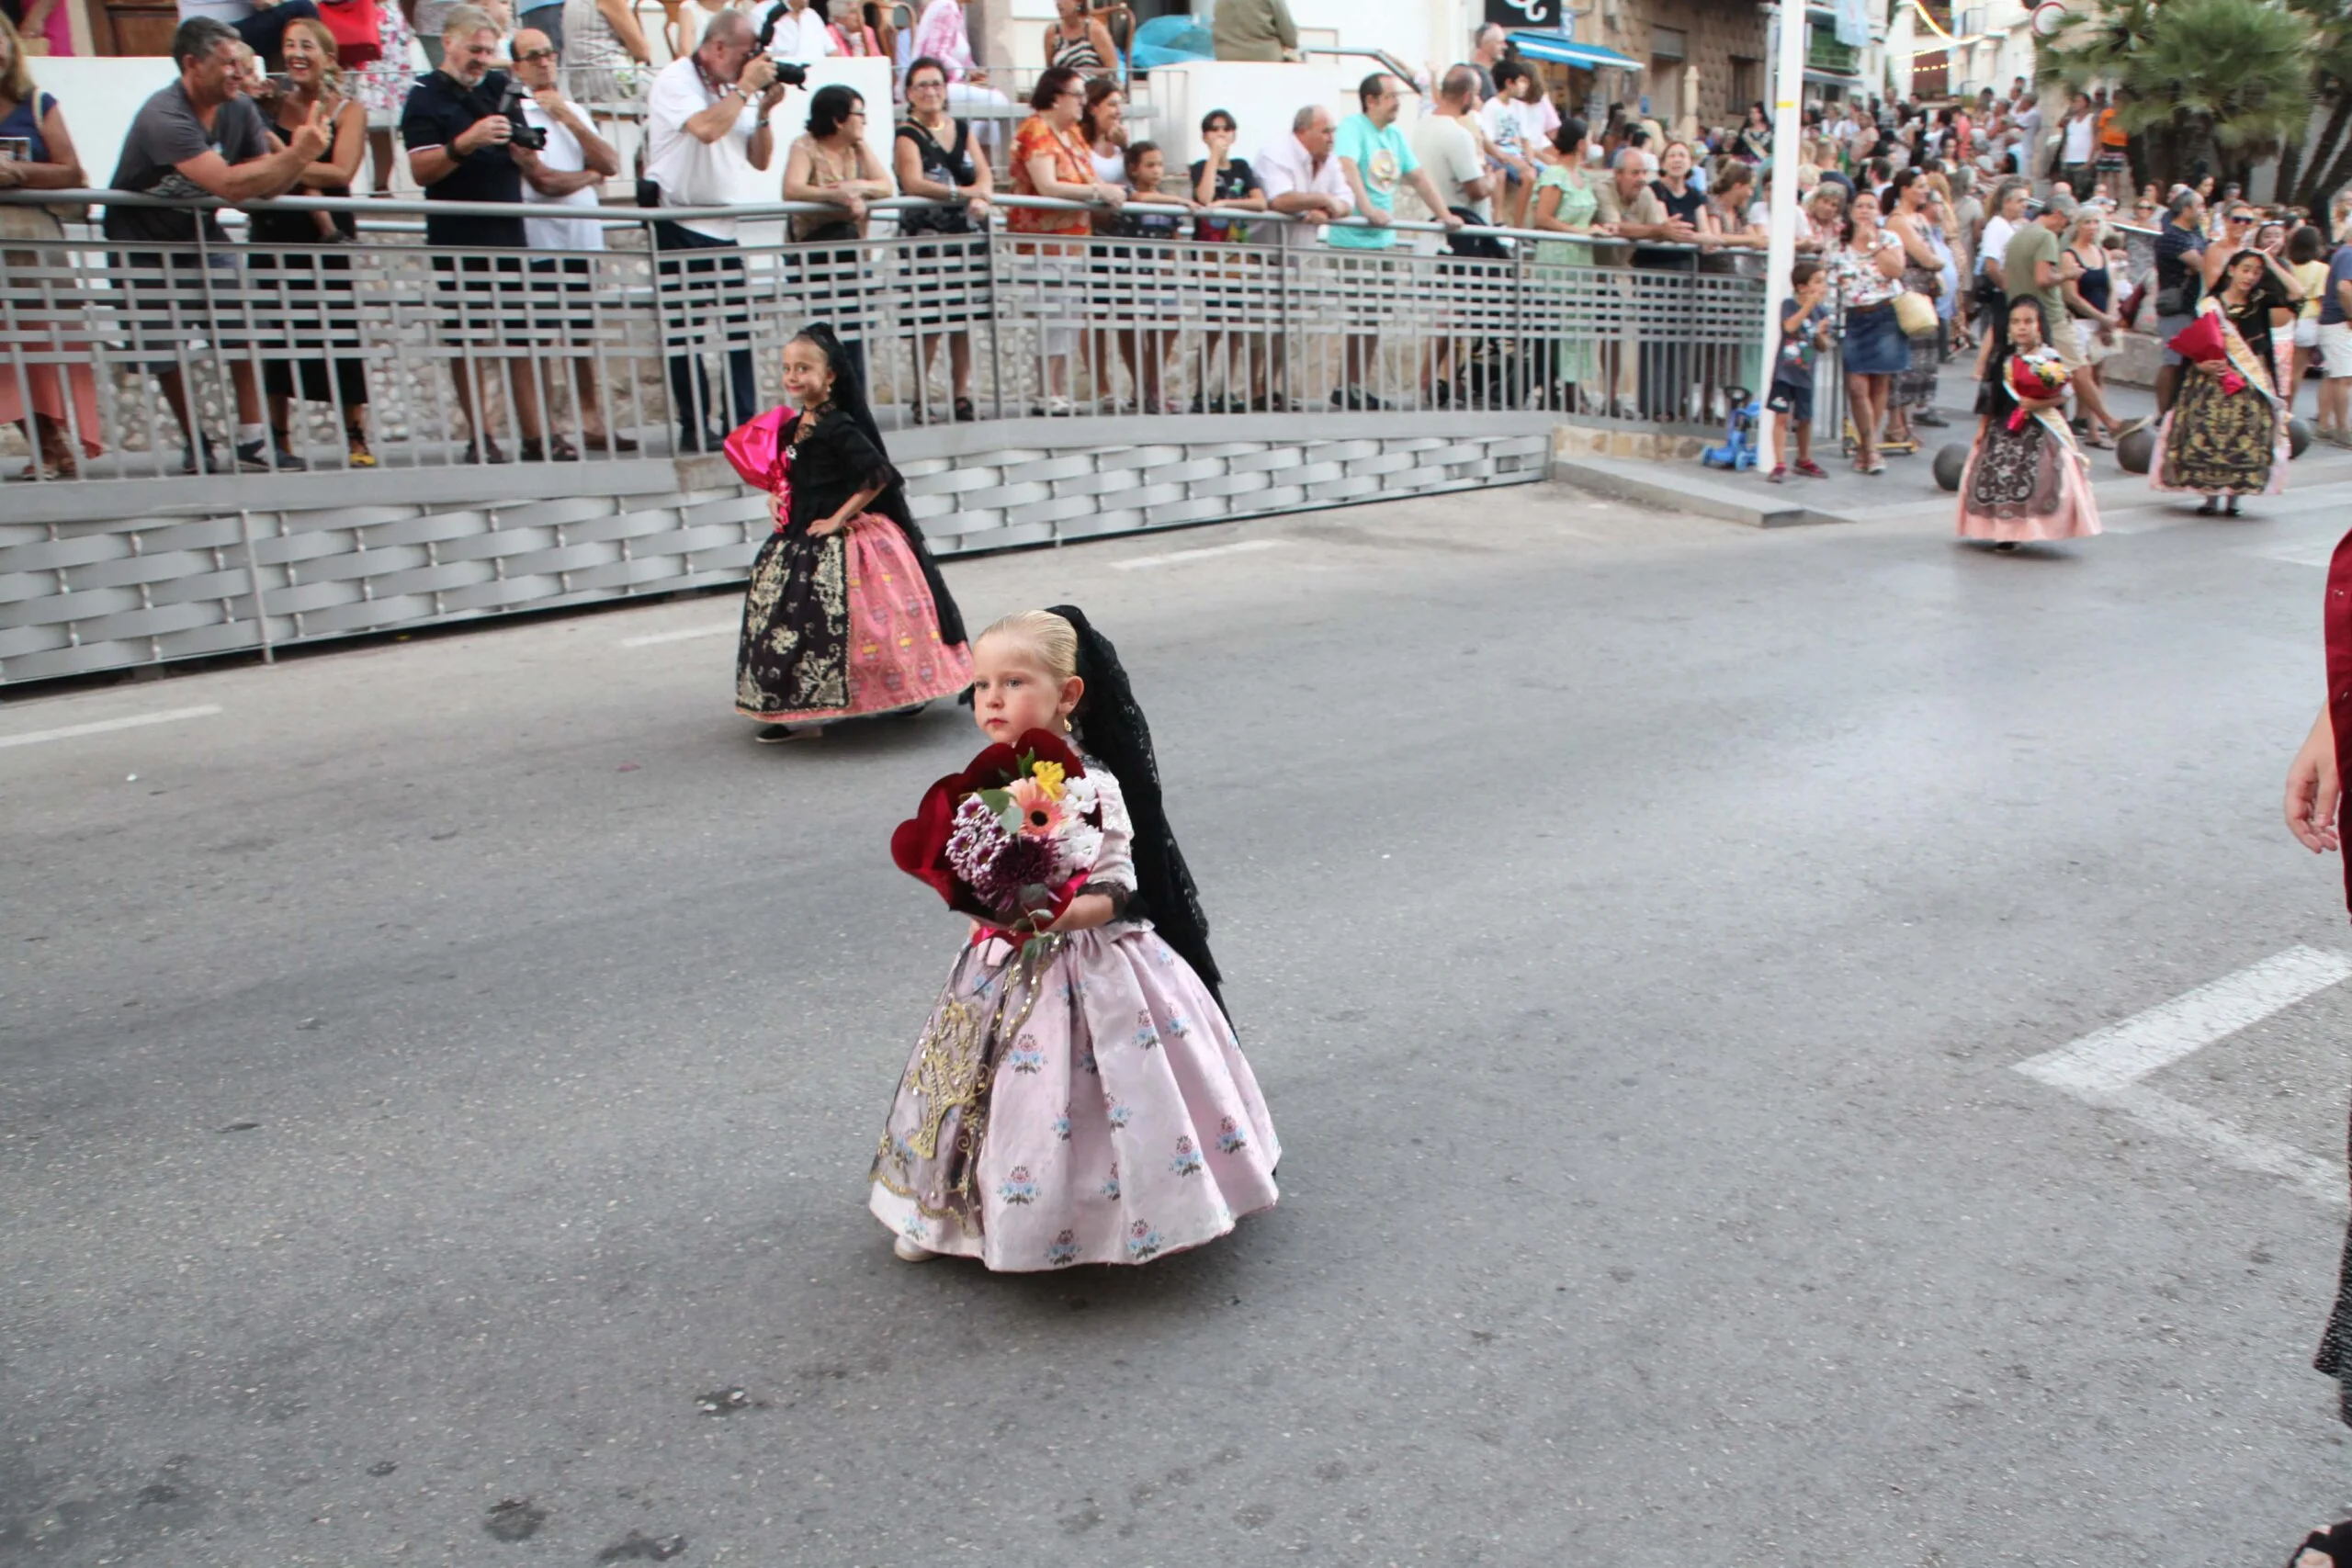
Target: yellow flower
1049 778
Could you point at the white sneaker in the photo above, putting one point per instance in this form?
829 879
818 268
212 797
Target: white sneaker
909 1252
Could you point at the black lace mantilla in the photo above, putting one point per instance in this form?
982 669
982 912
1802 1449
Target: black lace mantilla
1110 725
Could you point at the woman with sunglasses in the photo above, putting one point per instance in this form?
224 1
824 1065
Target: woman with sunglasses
2239 227
1224 181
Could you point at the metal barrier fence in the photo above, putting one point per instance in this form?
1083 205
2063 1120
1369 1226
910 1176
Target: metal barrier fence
439 356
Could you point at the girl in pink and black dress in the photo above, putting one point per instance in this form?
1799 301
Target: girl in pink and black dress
846 614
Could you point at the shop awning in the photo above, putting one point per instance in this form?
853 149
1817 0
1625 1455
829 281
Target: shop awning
1566 51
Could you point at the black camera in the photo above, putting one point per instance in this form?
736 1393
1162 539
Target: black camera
525 135
791 75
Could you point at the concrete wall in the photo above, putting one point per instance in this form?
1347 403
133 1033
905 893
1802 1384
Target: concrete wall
149 587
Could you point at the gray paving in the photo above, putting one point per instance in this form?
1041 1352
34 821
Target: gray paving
429 1075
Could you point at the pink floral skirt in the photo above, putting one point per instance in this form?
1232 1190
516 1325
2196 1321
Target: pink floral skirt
1088 1105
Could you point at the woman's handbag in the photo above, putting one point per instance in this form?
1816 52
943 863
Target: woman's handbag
1915 314
357 29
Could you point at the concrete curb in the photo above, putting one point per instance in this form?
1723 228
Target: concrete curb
1683 487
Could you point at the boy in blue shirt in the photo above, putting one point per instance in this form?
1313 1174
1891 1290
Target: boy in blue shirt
1805 331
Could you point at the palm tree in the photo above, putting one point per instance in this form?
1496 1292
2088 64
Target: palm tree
2309 171
2195 78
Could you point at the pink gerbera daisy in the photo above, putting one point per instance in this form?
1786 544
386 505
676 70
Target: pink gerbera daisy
1041 814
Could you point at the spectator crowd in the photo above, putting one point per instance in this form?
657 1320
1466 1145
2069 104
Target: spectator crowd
1916 223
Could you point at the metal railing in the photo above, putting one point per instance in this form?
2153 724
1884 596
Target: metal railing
648 347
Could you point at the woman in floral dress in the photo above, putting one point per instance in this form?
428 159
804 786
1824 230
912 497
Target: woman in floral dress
1079 1098
846 614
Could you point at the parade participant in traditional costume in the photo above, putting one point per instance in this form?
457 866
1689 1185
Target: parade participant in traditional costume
2226 435
846 612
2026 479
1078 1095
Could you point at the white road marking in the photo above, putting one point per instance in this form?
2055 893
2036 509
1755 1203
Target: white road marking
2318 554
2105 1068
1184 558
100 726
717 629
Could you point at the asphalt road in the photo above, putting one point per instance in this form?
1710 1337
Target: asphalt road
425 1076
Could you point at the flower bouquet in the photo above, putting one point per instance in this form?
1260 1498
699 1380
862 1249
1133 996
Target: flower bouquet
2039 374
1009 840
2202 341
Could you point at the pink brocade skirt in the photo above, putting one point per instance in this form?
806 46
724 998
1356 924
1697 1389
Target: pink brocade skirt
1090 1105
841 625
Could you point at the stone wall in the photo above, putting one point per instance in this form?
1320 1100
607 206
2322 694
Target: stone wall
1714 33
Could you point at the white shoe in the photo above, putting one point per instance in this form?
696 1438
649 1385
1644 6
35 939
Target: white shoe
909 1252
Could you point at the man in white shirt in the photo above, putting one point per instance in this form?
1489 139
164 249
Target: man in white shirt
800 31
2074 151
1446 143
572 163
705 130
1303 179
1301 176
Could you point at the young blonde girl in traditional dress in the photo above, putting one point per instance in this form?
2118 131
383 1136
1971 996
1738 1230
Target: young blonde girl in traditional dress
1080 1098
2026 479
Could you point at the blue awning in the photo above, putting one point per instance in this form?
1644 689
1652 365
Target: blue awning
1565 51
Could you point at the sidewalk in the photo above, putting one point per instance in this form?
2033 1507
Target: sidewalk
1908 491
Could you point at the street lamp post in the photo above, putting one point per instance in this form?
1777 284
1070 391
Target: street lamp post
1788 93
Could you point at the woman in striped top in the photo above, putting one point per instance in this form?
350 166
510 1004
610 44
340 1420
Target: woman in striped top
1080 42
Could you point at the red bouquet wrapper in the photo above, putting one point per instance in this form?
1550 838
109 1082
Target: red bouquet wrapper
918 846
2202 341
2033 378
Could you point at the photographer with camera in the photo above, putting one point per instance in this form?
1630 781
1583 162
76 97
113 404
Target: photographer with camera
705 130
460 126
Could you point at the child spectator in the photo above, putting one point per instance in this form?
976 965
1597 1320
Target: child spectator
1805 331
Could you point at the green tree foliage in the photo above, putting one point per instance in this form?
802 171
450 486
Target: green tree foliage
2217 82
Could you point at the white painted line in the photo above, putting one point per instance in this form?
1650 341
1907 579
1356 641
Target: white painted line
2116 1057
717 629
1183 558
2105 1069
137 720
2248 1151
2316 554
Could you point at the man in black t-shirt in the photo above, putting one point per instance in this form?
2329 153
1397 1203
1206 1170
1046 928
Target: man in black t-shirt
200 137
461 148
2181 280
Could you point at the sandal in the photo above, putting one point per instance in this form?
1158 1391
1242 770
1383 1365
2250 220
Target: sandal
358 456
965 413
2329 1548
